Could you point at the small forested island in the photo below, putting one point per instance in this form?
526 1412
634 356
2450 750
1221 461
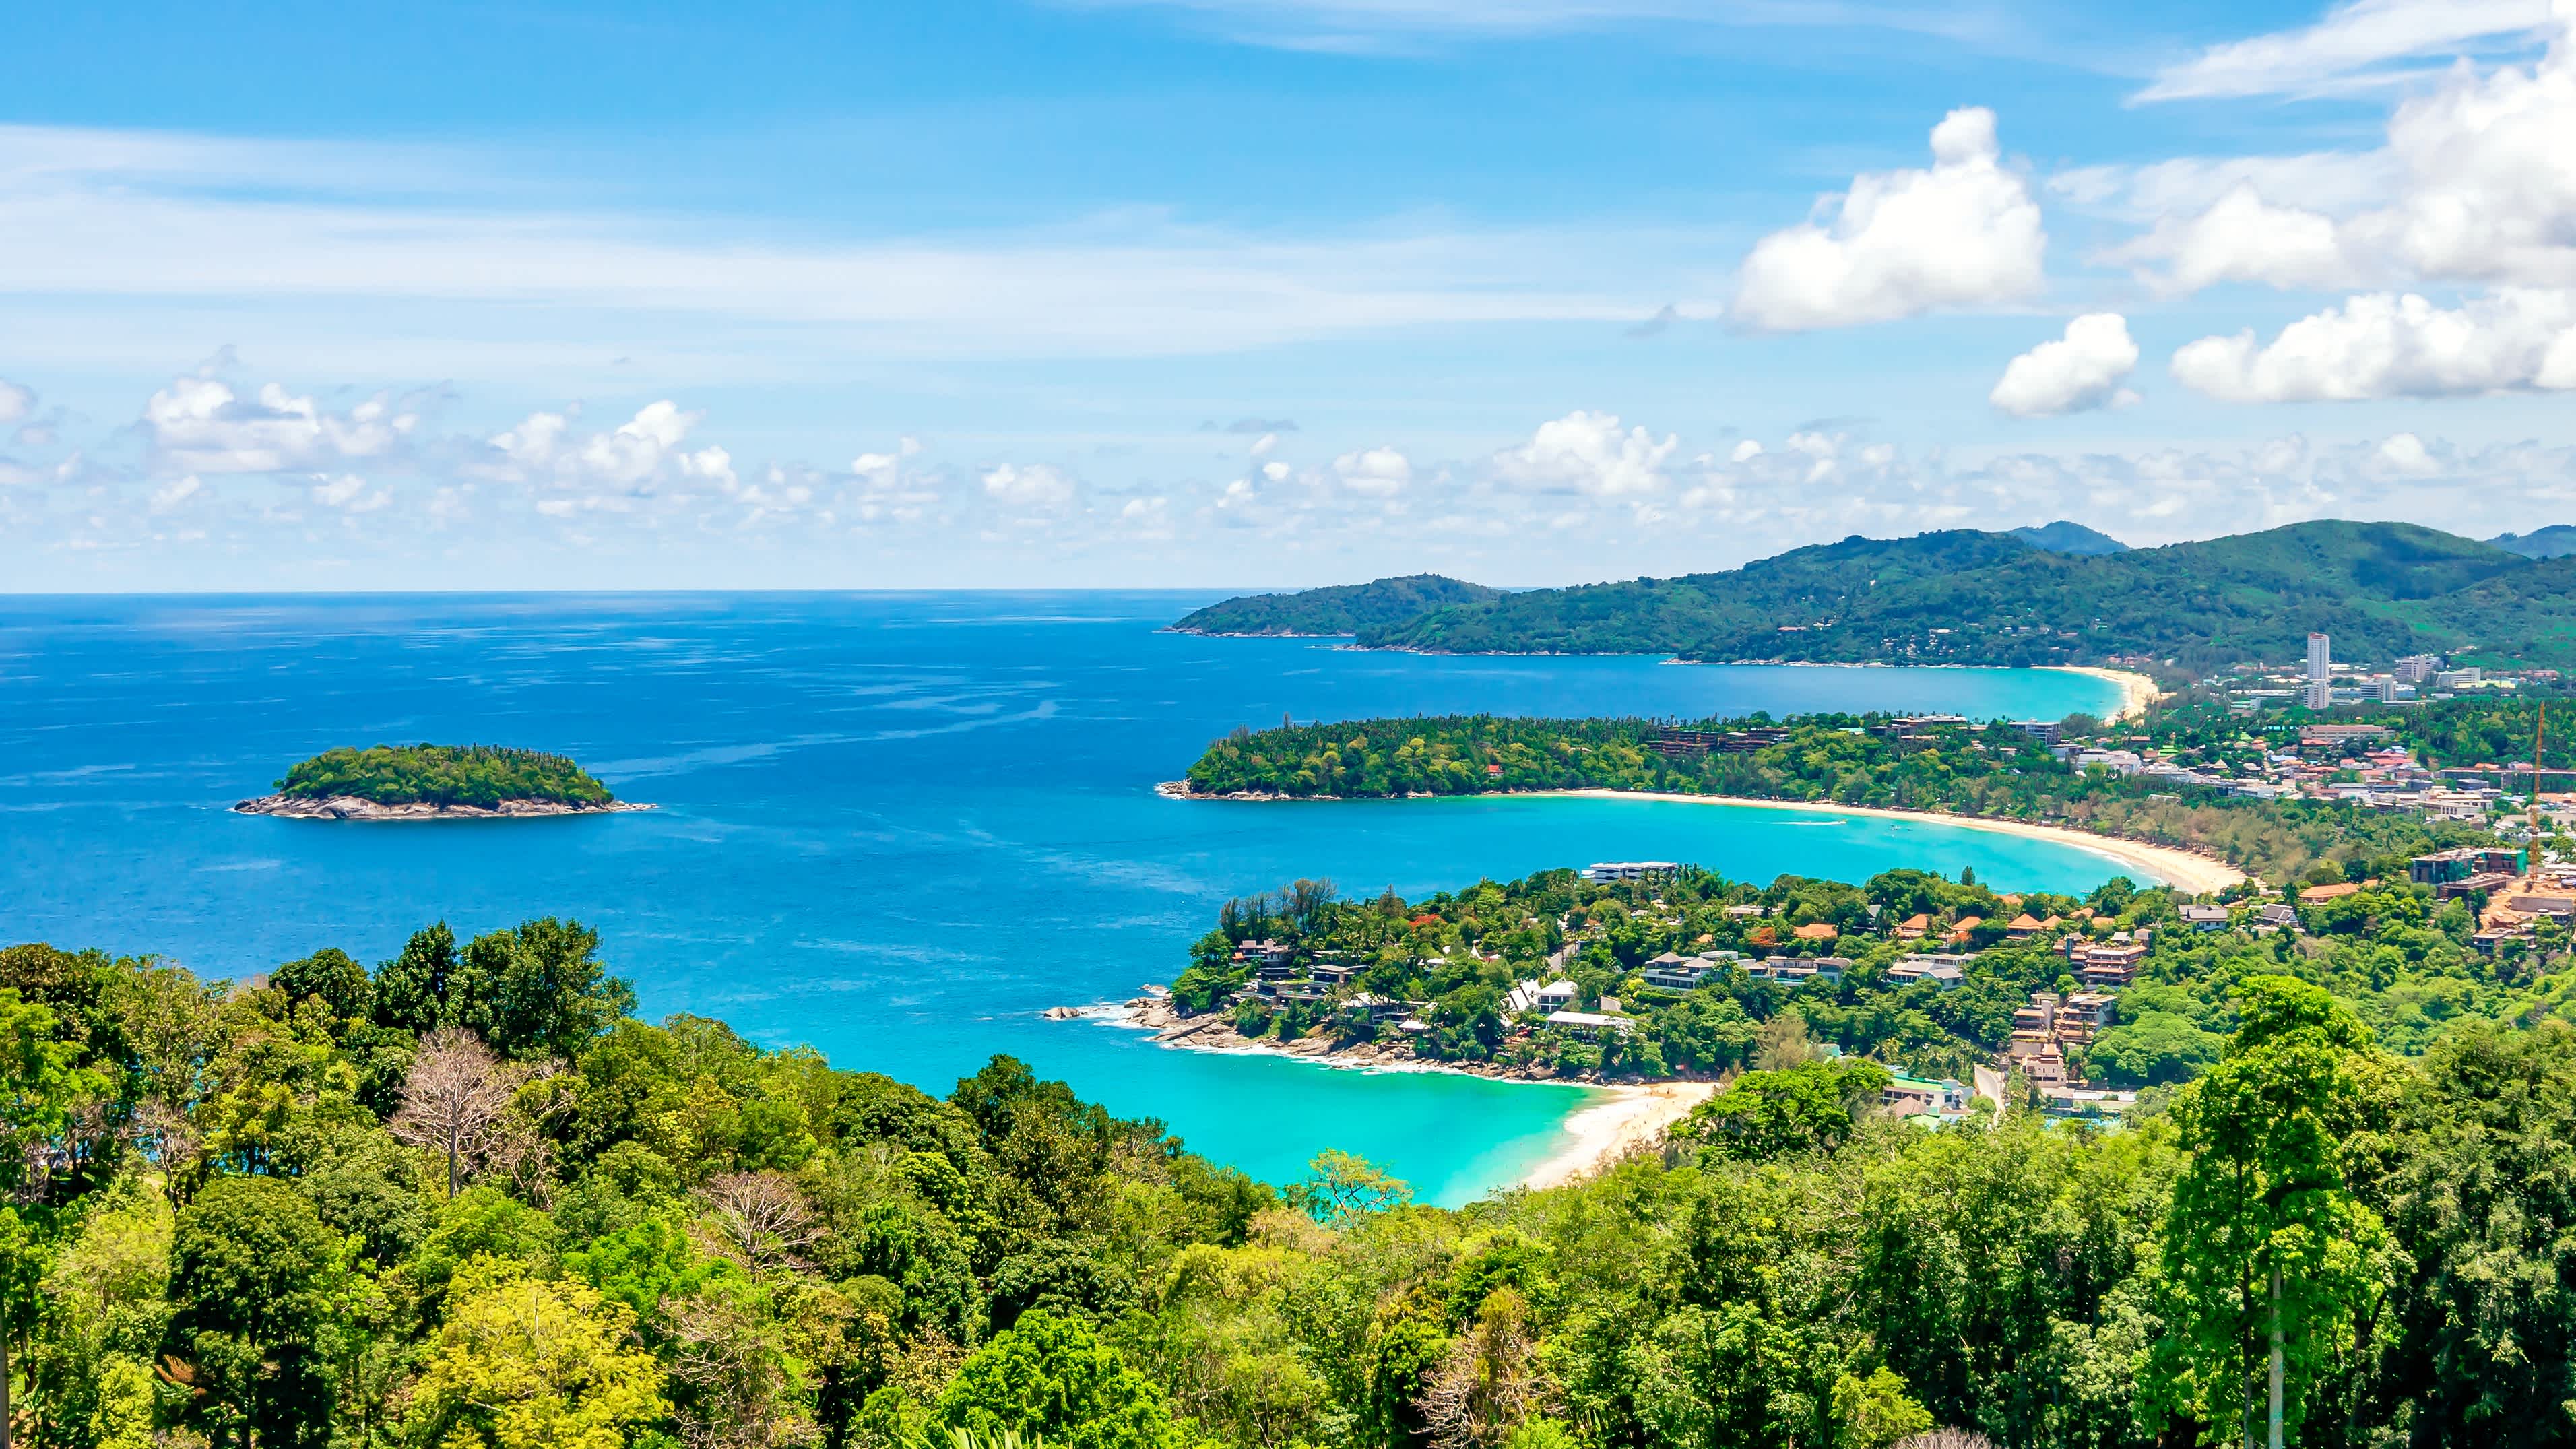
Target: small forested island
435 782
2061 595
466 1200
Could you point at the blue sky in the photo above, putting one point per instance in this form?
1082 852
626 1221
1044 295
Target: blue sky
1259 292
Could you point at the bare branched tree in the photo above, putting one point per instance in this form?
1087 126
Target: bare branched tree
1947 1439
454 1099
1489 1382
736 1393
519 1147
760 1220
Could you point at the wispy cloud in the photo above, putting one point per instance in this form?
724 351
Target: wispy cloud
2358 46
86 214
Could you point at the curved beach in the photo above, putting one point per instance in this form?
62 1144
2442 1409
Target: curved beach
2138 693
1633 1118
2184 870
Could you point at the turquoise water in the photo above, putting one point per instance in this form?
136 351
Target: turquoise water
896 827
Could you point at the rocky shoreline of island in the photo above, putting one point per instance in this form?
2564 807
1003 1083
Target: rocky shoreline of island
350 807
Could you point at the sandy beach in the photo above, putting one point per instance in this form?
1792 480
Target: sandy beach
2137 691
2181 869
1605 1133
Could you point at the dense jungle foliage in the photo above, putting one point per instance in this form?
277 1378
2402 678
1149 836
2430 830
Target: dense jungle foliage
1829 759
464 1200
2383 590
479 775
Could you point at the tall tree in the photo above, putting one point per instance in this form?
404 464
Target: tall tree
253 1273
411 990
537 990
2266 1252
38 1088
523 1363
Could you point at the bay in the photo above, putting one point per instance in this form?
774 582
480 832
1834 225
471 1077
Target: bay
895 827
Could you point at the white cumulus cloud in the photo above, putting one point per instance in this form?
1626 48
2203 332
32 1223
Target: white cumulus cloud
348 493
1586 452
641 458
200 425
2081 370
2243 238
1378 472
2387 345
1965 233
15 401
2476 183
1036 485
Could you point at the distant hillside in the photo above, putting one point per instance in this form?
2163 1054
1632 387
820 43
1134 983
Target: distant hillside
1345 609
2065 537
2555 541
1965 597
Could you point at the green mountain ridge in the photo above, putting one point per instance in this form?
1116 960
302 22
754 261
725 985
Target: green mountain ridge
1342 609
2065 536
2551 542
1963 596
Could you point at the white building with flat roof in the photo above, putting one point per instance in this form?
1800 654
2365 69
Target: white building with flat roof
1606 871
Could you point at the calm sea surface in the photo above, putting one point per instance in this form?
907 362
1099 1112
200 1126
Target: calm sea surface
896 827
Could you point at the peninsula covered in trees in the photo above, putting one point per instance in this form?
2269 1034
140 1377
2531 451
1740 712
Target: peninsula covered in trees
466 1200
435 782
1344 609
1945 766
2383 590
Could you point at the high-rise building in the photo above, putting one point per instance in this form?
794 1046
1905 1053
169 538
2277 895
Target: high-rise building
2416 668
2320 672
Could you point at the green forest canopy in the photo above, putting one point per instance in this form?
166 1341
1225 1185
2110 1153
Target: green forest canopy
1867 760
231 1221
478 775
2383 590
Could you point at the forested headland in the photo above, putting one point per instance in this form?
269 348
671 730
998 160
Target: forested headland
2383 590
2396 957
475 776
1866 760
464 1199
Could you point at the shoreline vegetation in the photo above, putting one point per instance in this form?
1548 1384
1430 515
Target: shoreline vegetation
2189 871
2047 777
435 782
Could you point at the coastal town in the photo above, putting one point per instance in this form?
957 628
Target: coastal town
1975 1001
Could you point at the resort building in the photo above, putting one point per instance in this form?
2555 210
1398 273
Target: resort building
1607 872
1941 970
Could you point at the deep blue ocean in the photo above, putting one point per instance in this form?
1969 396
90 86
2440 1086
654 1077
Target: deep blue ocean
895 827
